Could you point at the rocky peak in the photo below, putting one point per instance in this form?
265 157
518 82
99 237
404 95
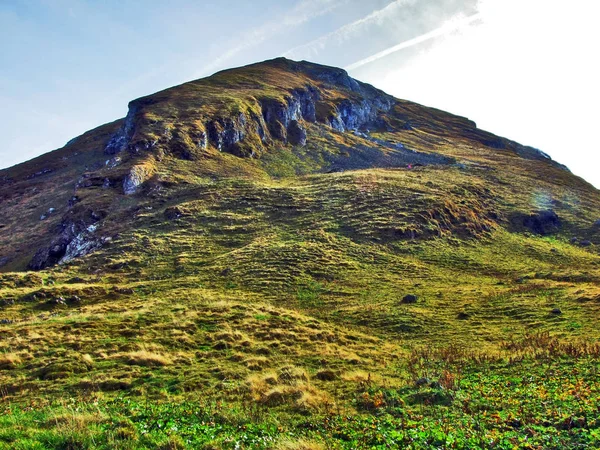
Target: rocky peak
326 95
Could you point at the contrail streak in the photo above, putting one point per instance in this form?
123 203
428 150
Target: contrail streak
452 26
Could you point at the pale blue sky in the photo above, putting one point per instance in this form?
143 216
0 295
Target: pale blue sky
524 69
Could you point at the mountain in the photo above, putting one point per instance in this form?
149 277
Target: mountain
292 243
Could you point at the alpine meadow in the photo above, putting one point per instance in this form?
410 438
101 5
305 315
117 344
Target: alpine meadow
279 256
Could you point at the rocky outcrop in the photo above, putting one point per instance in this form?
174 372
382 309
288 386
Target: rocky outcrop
296 133
121 139
542 222
136 177
224 133
353 115
82 244
51 255
243 133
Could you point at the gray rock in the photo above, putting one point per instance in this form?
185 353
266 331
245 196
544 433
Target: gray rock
56 301
543 222
81 245
585 243
556 311
224 133
121 139
174 212
72 201
296 133
424 381
410 298
135 178
74 299
113 162
74 239
360 134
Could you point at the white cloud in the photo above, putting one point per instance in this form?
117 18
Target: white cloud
346 32
455 24
528 71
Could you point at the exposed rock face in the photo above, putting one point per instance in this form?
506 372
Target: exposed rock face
70 241
83 243
296 133
224 133
543 222
120 140
351 115
268 119
135 178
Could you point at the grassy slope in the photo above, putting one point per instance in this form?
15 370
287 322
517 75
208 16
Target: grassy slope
272 306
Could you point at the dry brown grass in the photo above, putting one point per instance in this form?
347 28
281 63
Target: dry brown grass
299 444
289 385
147 358
74 421
9 361
360 376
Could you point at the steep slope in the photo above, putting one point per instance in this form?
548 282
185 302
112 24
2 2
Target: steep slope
294 251
273 119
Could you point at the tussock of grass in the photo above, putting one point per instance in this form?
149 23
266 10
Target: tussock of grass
298 444
289 385
146 358
9 361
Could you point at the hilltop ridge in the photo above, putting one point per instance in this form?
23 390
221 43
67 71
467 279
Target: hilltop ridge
276 118
281 257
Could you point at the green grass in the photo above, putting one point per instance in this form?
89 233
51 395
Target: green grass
268 311
529 403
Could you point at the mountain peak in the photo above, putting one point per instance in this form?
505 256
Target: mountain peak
266 121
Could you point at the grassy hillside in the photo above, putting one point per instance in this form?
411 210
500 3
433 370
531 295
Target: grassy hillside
412 283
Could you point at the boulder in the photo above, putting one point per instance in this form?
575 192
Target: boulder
326 375
174 212
410 298
543 222
424 381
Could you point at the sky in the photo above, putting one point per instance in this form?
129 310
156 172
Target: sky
523 69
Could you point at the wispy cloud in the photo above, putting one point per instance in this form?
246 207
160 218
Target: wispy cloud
303 12
347 31
449 27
